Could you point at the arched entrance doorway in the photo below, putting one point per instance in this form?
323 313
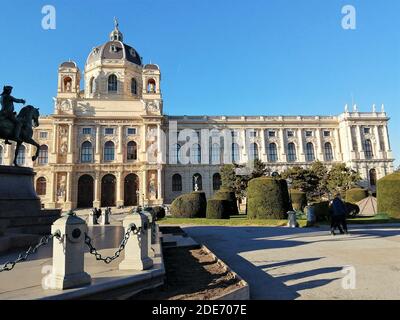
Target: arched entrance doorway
108 184
131 186
85 191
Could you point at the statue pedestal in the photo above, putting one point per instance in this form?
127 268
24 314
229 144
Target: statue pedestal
20 207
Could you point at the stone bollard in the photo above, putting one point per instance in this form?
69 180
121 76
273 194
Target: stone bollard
292 222
136 250
68 254
92 219
105 217
149 217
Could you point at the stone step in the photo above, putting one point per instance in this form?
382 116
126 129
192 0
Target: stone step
13 241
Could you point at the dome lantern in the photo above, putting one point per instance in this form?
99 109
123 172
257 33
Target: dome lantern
116 35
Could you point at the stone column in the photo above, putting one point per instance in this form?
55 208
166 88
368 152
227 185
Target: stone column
282 146
54 145
302 157
144 187
97 156
53 191
243 147
388 149
359 142
70 154
97 191
120 190
338 148
68 204
159 185
263 146
159 145
320 154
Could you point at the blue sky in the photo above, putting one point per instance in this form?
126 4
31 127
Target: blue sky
226 57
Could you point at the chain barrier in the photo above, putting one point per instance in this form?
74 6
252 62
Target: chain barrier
133 229
32 250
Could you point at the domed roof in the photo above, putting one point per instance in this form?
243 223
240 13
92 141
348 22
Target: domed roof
115 49
151 67
69 64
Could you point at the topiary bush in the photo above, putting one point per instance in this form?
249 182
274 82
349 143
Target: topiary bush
191 205
355 195
226 194
268 198
388 190
218 209
299 199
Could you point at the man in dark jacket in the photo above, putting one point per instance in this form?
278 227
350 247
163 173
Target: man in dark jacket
338 215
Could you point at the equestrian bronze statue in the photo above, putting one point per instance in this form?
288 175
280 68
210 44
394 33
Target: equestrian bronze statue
18 128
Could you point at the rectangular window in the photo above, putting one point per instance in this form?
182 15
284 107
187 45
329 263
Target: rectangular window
271 134
367 130
43 134
131 131
234 134
308 133
327 133
290 133
87 130
109 131
253 134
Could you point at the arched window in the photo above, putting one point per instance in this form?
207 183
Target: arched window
272 152
197 179
328 151
21 155
67 84
372 177
112 84
86 152
310 154
43 155
217 181
132 150
369 153
174 154
41 186
133 86
253 152
1 155
215 154
195 154
91 85
109 151
176 183
151 86
235 153
292 157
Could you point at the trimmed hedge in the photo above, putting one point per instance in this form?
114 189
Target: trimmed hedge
355 195
191 205
299 199
267 198
218 209
158 211
388 189
225 194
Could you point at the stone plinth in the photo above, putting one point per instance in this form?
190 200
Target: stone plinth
20 207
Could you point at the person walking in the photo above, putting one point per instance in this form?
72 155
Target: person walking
338 215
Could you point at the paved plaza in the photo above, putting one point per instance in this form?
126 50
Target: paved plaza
282 263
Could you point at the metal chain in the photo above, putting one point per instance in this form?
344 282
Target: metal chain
32 250
133 229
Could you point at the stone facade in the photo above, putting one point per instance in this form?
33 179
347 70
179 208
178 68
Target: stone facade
111 145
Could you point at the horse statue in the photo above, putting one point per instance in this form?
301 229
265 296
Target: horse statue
29 118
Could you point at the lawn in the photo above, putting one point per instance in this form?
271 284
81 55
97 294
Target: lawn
241 220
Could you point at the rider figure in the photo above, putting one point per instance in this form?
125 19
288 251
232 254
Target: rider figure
7 109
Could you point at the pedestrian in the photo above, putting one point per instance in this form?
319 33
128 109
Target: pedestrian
98 214
338 212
